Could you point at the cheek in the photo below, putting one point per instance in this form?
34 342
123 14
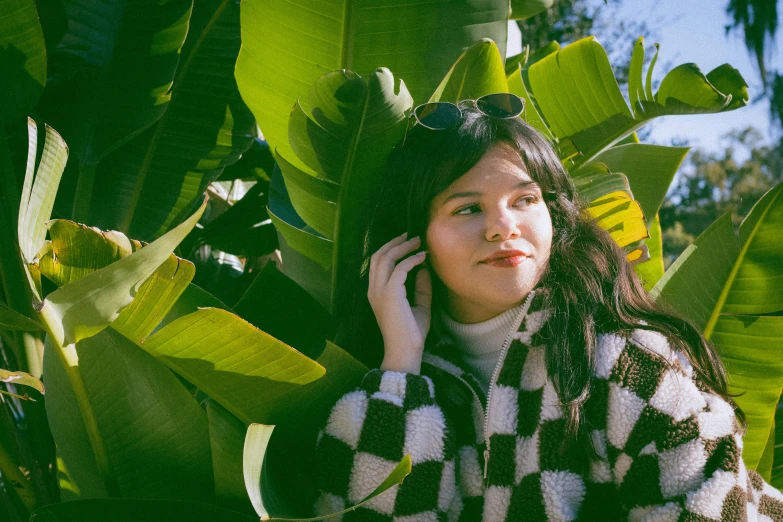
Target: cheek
444 248
544 233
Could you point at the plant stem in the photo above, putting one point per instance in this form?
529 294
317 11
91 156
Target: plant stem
70 360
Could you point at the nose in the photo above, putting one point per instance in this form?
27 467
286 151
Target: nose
501 225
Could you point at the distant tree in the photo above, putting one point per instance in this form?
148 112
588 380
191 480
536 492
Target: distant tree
758 20
709 184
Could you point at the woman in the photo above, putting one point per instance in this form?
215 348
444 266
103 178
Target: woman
550 386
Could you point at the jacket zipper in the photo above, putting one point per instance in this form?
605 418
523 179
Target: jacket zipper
495 373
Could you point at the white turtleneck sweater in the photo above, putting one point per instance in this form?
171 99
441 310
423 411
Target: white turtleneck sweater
480 343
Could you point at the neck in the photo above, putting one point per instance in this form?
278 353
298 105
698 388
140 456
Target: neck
468 312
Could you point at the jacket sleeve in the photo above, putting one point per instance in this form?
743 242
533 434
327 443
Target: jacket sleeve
368 432
674 447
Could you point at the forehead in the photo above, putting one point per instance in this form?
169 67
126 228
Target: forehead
500 167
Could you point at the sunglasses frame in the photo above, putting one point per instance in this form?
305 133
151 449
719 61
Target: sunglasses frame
523 111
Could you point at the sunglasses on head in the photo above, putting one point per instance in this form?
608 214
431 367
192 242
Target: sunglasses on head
444 115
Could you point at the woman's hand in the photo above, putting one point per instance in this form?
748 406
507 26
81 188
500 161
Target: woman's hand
404 328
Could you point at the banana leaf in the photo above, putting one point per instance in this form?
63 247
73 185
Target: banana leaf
344 142
160 307
729 289
287 46
651 271
152 436
110 75
22 59
153 182
650 170
575 91
775 450
478 71
227 437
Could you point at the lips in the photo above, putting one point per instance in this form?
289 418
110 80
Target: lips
503 255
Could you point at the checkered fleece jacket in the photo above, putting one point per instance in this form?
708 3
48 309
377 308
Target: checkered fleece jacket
667 449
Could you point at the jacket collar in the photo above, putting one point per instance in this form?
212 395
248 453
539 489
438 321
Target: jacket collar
440 349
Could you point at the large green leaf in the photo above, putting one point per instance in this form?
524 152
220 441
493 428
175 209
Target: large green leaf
167 297
151 432
227 437
262 306
531 115
307 253
167 293
727 289
133 510
755 286
153 182
750 348
577 94
22 59
353 124
775 450
244 369
688 286
87 306
651 271
649 169
479 71
76 250
287 45
111 73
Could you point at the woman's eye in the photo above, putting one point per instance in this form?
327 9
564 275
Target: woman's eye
461 211
529 200
525 201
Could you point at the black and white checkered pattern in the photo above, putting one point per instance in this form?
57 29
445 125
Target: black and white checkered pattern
668 449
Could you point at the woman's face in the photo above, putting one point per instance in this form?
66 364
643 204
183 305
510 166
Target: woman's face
494 206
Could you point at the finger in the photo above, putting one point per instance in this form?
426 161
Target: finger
380 253
400 273
423 295
398 252
386 263
391 244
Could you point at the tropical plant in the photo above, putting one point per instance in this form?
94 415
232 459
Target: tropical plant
122 313
155 367
354 120
730 290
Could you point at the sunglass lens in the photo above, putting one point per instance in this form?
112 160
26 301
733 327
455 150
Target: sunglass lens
438 115
501 105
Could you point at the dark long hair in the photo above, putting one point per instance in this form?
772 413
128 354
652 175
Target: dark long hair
591 288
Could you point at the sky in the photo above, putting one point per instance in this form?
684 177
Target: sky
693 31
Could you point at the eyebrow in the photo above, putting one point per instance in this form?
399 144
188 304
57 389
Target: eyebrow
457 195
